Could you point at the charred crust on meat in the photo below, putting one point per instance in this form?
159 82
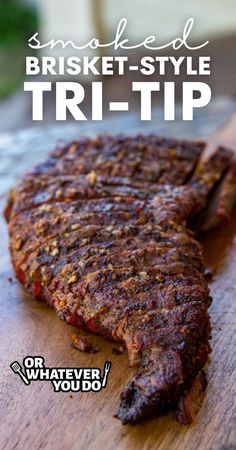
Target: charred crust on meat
103 231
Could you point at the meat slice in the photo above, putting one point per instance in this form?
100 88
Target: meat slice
102 231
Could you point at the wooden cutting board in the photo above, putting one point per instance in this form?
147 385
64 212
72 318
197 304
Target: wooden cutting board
34 417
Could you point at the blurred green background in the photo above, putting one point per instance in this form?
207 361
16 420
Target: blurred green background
80 20
18 21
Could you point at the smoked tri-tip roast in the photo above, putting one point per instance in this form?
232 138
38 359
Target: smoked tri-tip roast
101 231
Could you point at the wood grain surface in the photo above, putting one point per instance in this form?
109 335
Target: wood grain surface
34 417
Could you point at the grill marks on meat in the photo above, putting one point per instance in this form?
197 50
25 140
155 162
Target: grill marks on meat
101 232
